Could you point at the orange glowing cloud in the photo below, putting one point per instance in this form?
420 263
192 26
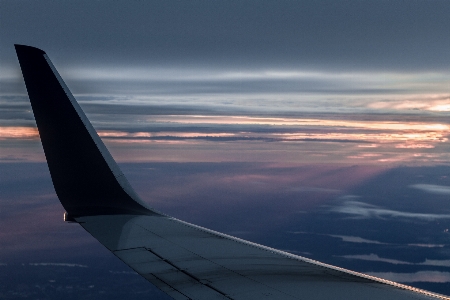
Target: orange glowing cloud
120 134
386 134
18 133
440 107
245 120
414 146
375 137
439 103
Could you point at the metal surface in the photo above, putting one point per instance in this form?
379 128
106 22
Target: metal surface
197 263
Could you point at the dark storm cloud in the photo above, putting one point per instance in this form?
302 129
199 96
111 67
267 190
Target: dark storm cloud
400 35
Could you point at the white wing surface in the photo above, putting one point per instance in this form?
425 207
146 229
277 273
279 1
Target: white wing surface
184 260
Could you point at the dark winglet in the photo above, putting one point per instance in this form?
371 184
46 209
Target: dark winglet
86 178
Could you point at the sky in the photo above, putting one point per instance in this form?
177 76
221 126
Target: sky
375 74
267 102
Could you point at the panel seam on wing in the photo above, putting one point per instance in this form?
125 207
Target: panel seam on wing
317 263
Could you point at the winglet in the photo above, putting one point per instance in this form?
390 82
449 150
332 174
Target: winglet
86 178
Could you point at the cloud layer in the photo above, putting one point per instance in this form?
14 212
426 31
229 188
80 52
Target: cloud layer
365 210
421 276
375 257
432 188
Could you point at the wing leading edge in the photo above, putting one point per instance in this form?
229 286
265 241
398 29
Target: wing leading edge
184 260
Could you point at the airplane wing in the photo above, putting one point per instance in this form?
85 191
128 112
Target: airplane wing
184 260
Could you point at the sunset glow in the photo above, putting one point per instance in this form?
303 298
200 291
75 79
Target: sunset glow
244 120
439 103
442 107
18 133
215 138
113 134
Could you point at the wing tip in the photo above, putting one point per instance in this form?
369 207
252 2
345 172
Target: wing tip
85 176
29 49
